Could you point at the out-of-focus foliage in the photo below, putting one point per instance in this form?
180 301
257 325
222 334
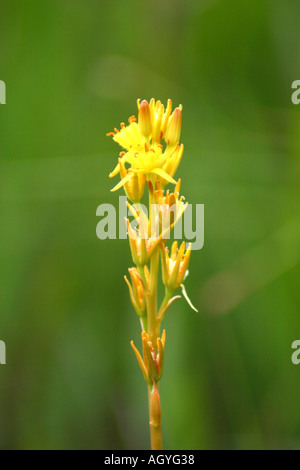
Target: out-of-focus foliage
73 70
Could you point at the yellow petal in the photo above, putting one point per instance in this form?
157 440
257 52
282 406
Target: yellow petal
121 183
163 174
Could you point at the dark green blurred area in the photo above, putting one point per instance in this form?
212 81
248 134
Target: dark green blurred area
73 71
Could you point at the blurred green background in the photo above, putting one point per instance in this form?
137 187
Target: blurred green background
73 70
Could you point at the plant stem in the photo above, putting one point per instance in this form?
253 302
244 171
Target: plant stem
153 323
153 333
155 421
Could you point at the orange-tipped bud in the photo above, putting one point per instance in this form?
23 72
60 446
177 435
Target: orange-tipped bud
145 119
174 127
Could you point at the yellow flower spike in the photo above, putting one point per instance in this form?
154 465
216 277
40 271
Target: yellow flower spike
141 363
151 152
174 127
145 124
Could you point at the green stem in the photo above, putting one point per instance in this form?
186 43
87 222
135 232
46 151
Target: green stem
155 423
168 296
153 322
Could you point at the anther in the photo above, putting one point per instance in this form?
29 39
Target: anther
132 119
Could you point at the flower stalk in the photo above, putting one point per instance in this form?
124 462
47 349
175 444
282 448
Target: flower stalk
151 154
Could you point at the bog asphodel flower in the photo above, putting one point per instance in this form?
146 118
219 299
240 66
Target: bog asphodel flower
152 363
133 183
175 266
169 209
144 151
149 159
137 290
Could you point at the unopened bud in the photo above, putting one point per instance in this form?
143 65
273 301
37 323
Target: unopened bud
145 119
174 127
155 406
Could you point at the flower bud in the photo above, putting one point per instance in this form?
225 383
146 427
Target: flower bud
155 407
153 361
145 119
157 113
175 267
137 290
174 127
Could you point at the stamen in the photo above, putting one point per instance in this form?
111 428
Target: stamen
116 130
132 119
146 147
110 134
121 154
123 125
150 185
